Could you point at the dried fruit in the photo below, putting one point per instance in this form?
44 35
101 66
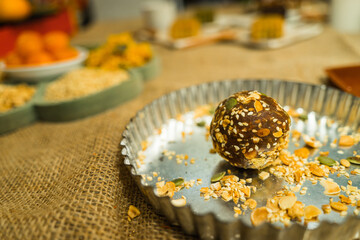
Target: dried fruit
311 212
346 141
218 176
338 206
250 155
230 103
278 134
354 160
258 106
302 152
263 132
259 216
178 182
331 188
327 161
287 202
133 212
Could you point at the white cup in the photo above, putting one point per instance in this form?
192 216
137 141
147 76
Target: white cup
158 15
345 15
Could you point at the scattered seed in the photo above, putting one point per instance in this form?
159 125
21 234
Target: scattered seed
287 202
178 181
303 117
201 124
354 160
327 161
218 176
230 103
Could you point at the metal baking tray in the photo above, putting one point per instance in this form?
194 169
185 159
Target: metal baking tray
214 219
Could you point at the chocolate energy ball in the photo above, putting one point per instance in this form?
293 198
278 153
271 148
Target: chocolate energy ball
249 129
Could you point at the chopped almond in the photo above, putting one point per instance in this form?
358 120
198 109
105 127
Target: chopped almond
179 202
264 175
133 212
259 216
250 155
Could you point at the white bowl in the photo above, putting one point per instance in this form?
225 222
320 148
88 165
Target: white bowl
46 71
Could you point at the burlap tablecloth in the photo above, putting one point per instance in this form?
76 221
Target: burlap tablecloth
67 181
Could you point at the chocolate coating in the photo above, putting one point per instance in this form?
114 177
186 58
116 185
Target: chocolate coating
249 129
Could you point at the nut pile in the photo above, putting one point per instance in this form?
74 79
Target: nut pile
82 82
12 96
305 164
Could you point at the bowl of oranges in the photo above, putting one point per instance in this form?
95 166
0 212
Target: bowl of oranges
38 57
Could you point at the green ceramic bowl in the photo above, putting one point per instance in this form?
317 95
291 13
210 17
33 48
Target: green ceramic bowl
90 104
20 116
150 69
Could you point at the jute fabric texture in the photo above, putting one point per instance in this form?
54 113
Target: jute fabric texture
67 181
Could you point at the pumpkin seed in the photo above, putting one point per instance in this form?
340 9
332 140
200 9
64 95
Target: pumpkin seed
212 111
303 117
230 103
354 160
218 176
178 181
264 94
200 124
327 161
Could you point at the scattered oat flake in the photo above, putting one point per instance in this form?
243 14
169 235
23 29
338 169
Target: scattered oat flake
302 152
338 206
259 216
311 212
326 208
287 202
345 163
331 188
346 141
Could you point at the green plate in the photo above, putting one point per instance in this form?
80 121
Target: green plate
90 104
20 116
150 70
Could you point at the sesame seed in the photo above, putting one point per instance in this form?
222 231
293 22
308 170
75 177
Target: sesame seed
250 113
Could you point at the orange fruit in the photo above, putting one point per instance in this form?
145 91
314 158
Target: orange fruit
56 40
11 10
13 59
28 43
41 57
64 54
